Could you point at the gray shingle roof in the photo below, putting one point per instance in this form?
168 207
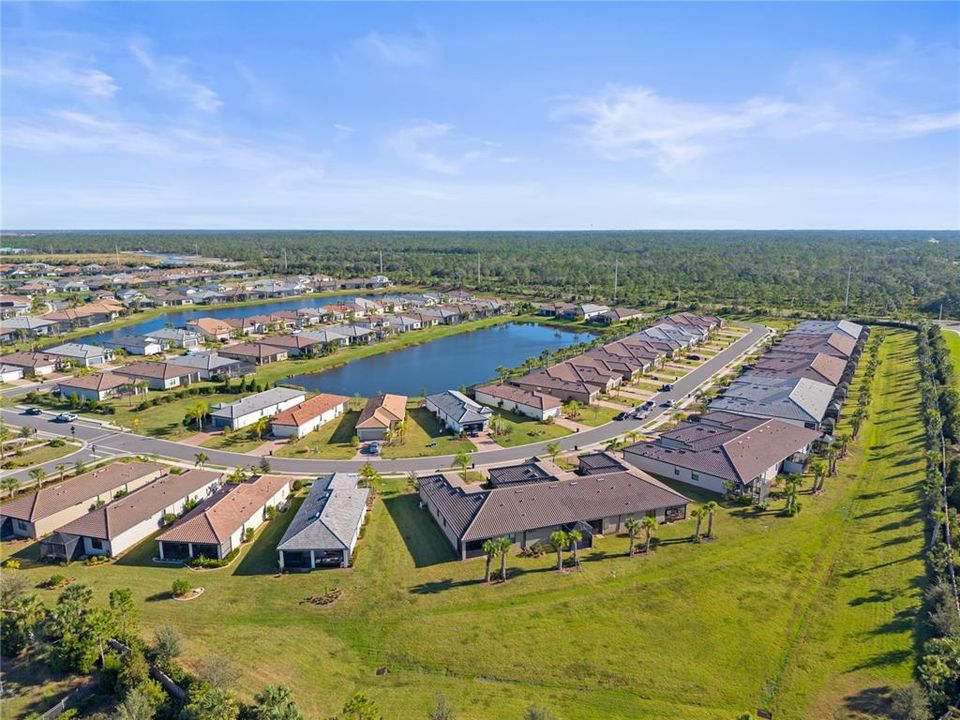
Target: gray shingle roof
259 401
790 399
458 406
328 517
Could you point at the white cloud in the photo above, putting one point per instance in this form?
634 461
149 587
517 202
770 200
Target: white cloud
411 144
170 74
342 132
399 50
61 71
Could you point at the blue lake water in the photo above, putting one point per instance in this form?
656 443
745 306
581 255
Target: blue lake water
179 318
444 364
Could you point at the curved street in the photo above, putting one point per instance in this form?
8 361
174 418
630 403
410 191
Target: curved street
110 442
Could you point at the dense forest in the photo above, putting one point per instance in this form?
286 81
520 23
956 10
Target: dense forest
892 273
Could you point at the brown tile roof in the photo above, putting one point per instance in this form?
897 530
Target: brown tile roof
288 341
383 411
252 350
520 396
309 409
211 326
816 366
56 496
110 520
215 519
94 381
835 344
28 359
158 370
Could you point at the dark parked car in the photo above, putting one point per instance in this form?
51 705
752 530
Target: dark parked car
693 357
666 387
33 411
621 416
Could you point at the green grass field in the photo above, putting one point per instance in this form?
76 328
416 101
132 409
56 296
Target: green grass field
332 441
952 340
596 415
523 430
813 616
424 438
40 454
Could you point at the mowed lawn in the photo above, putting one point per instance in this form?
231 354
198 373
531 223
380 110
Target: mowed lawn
521 430
807 616
331 441
424 437
952 340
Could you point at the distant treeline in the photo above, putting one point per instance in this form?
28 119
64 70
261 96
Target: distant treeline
895 273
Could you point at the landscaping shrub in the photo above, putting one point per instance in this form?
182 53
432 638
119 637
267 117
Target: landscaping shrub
11 564
177 470
58 442
180 587
297 485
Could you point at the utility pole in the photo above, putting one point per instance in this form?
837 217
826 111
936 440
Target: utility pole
616 278
117 248
284 259
846 295
478 270
381 262
940 316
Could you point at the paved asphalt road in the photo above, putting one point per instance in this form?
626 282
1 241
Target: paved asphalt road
112 442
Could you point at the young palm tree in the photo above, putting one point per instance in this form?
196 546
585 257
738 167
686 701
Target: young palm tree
710 508
4 436
553 449
502 372
633 527
37 475
574 537
61 468
843 441
559 540
462 461
698 514
201 459
260 426
819 470
649 524
79 468
504 545
490 549
9 485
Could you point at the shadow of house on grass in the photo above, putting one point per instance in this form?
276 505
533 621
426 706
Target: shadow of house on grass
262 558
425 542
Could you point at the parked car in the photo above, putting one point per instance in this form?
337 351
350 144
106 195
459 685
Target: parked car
373 448
667 387
639 414
65 417
668 403
693 357
32 411
647 405
621 416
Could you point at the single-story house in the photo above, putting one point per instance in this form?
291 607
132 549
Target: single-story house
822 368
380 415
587 311
328 336
519 401
309 415
9 373
539 381
33 363
114 528
210 365
828 327
248 410
95 387
55 504
836 344
11 305
211 328
255 353
25 326
800 402
618 315
724 450
135 344
81 354
529 507
218 525
326 528
178 337
294 345
458 413
160 375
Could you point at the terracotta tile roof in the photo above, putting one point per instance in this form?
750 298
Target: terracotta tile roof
56 496
520 396
94 381
215 519
158 370
383 411
28 359
289 341
252 350
308 410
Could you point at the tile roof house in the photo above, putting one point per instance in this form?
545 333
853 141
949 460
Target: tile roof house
159 375
458 413
822 368
178 337
37 363
325 530
723 448
801 402
95 387
836 344
309 415
380 415
248 410
114 528
35 514
257 353
81 354
211 328
528 512
518 401
12 328
828 327
135 344
218 525
618 315
210 365
564 389
295 345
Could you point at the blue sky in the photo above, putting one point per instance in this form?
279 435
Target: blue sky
496 116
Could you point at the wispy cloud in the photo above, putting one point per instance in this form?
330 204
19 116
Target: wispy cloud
61 72
400 50
342 132
171 75
438 148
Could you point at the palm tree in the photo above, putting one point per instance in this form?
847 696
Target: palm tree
699 514
37 475
504 545
819 470
553 449
559 540
574 537
259 426
502 372
462 461
9 485
832 461
490 549
201 459
61 468
843 440
633 527
4 436
401 429
710 508
79 467
649 524
198 411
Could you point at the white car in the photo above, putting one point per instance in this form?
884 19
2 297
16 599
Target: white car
65 417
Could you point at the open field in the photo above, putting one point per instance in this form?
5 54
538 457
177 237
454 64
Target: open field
424 437
331 441
523 430
39 454
952 340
